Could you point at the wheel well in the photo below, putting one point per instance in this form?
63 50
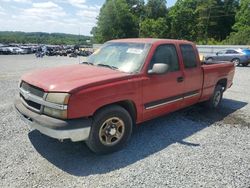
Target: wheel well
235 58
130 107
223 83
127 105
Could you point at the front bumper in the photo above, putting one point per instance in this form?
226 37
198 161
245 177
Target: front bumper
75 129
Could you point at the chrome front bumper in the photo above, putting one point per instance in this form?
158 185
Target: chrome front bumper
75 129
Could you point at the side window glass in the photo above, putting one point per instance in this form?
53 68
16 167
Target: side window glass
229 52
188 55
235 52
232 52
166 54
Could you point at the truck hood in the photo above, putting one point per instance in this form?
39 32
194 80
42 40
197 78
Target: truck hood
71 77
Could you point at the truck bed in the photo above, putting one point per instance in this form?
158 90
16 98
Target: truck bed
214 71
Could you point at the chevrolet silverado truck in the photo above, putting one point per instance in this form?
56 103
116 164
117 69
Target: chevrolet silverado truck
122 84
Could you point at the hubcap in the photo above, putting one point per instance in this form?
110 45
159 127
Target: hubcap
111 131
236 62
217 98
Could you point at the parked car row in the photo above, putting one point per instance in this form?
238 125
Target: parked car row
12 50
238 56
49 50
73 51
81 53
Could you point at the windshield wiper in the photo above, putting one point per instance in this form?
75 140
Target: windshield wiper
109 66
87 63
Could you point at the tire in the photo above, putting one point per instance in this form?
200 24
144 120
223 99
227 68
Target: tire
215 100
245 64
111 129
236 61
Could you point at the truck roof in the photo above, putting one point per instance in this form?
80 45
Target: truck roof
149 40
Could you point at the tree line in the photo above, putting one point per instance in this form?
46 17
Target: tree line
43 38
205 22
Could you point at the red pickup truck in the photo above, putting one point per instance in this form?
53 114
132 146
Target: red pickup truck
124 83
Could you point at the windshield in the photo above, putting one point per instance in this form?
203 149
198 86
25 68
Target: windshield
126 57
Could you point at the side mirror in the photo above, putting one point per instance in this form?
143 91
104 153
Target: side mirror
159 68
217 53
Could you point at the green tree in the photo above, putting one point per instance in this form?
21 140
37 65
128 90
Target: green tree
135 2
215 18
153 21
183 20
115 21
243 16
156 9
202 21
42 38
241 26
154 28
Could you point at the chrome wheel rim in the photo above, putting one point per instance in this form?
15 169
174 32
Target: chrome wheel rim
111 131
217 98
236 62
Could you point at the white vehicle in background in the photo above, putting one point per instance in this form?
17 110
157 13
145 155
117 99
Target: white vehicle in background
16 50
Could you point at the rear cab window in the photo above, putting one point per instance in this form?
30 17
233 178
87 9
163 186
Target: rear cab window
167 54
188 56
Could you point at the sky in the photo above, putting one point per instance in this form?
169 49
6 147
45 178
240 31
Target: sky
60 16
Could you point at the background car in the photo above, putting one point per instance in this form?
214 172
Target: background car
246 51
236 56
73 54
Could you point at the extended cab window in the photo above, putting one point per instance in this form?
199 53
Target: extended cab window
188 55
166 54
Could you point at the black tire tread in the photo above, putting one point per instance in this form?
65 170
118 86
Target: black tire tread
93 141
209 103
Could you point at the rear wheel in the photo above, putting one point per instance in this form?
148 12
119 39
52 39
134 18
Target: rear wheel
215 100
111 129
236 61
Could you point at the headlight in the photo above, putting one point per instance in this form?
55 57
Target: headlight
62 114
60 99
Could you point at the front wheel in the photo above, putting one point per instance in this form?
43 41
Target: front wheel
111 129
236 61
215 100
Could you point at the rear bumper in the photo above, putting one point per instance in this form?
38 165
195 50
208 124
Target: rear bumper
75 129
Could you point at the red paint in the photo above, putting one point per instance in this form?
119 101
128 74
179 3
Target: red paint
93 87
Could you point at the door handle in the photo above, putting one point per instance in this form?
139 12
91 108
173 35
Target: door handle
180 79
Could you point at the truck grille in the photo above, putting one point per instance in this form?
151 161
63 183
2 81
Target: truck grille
34 91
31 104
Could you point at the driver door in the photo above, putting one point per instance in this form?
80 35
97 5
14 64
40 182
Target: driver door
162 93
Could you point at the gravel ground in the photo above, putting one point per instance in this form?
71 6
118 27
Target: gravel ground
193 147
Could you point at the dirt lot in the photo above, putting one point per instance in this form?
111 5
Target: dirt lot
193 147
